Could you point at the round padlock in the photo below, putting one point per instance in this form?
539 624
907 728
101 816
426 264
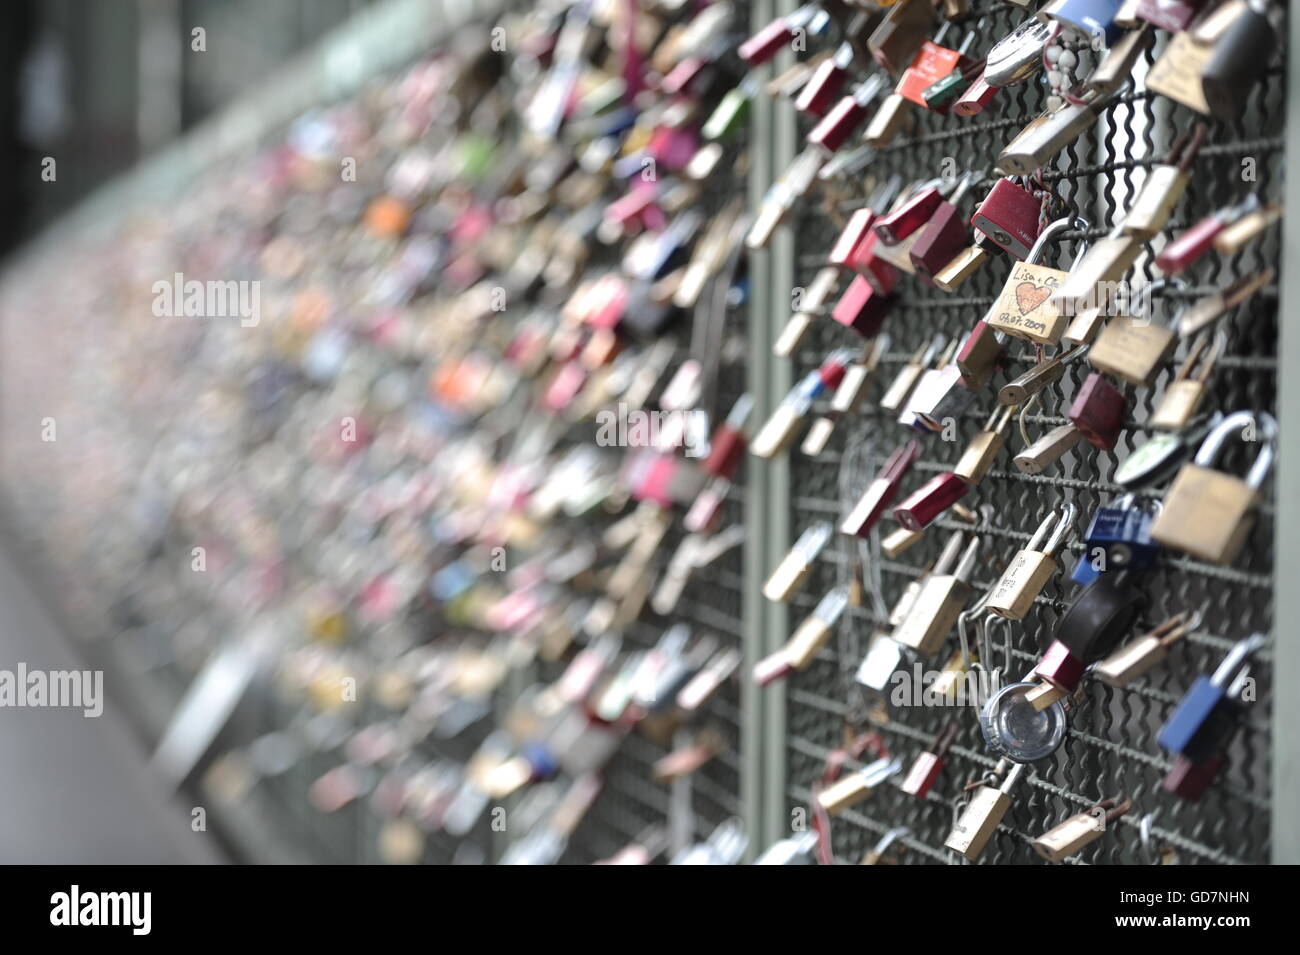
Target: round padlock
1014 729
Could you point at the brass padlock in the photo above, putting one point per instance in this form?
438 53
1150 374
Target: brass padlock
816 629
1025 308
900 34
1048 449
941 599
962 267
1031 568
907 600
1083 328
898 541
1103 265
1023 387
1136 658
1046 136
795 567
1163 186
888 120
983 814
857 786
983 449
1079 831
1184 395
1207 513
1117 66
1132 349
1178 72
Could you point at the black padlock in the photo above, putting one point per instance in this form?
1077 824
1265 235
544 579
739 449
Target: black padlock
1240 56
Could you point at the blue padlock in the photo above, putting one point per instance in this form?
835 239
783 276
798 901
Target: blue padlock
1207 715
1118 538
1087 18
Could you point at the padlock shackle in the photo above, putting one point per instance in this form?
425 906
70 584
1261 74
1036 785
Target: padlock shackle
1266 426
967 562
1055 228
1238 659
949 554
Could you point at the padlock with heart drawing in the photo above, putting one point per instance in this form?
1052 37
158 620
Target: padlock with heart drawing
1024 309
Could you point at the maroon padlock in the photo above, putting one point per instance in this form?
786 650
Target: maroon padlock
767 42
826 82
980 355
854 232
727 449
895 226
929 501
843 119
975 99
1061 668
861 308
1189 780
944 235
1009 216
1098 411
921 777
881 491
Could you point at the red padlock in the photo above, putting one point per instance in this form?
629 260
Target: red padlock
1189 780
894 227
881 492
855 232
1009 216
843 119
1061 668
861 308
929 501
1098 411
921 777
727 449
975 99
825 83
943 236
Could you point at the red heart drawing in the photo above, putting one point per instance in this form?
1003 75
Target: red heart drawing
1029 296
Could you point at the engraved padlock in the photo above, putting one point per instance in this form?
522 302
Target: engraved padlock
1031 568
1207 513
1026 307
1133 349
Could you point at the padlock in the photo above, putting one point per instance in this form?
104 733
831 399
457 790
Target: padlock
1009 216
880 493
907 600
1087 19
1210 309
900 34
899 541
983 814
1116 68
848 396
1184 394
901 387
1018 730
897 224
1099 269
768 42
1172 16
1044 137
944 235
931 64
1197 240
953 675
1098 411
882 659
847 792
1024 386
942 94
1249 227
1133 349
862 308
1240 55
1207 715
1048 449
1119 537
1079 831
877 854
1160 456
1207 513
980 355
983 449
929 764
795 567
1100 617
942 598
844 118
931 499
778 432
976 97
796 850
825 83
1025 308
888 121
941 394
1084 326
1018 55
1138 657
816 629
1163 186
963 265
1188 779
1180 71
1032 566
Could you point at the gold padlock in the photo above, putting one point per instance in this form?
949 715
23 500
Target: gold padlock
1132 349
1163 187
1083 328
1137 657
888 121
1184 395
795 567
908 597
857 786
1177 74
901 387
962 267
982 815
983 449
1096 273
1025 308
811 635
1079 831
1117 66
898 541
1248 227
941 599
1207 513
1030 569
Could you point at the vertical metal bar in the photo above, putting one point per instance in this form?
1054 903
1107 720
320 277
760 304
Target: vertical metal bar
1286 536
